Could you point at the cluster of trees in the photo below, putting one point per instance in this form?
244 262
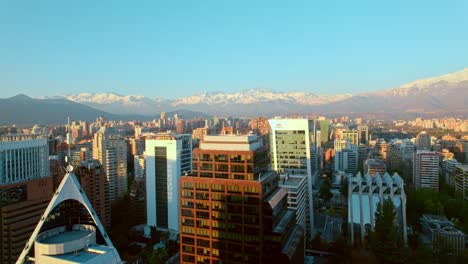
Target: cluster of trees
387 244
442 202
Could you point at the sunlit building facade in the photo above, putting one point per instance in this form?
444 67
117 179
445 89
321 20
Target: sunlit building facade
293 150
232 210
364 195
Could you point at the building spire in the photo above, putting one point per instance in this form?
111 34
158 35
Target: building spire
69 143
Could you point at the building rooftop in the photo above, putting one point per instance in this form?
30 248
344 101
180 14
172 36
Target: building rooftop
291 180
440 224
463 166
86 256
169 135
66 237
231 142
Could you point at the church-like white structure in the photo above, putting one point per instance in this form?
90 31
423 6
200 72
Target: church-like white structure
69 244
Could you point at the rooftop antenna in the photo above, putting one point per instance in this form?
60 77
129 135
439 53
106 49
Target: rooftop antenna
69 167
68 138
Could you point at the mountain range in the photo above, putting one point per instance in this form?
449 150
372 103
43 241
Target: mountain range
446 94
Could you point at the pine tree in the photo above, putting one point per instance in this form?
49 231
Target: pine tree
386 241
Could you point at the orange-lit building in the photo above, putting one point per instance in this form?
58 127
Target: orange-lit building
231 208
95 184
21 205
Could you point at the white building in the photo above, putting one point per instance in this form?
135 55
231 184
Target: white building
346 160
407 150
339 144
139 166
448 170
461 180
364 195
70 243
423 141
111 150
296 187
426 169
168 156
23 157
294 151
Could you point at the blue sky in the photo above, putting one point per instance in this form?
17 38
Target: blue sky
176 48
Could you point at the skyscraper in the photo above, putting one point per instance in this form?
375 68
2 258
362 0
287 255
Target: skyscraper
346 160
232 210
293 151
380 149
426 169
423 141
168 156
324 125
25 188
23 157
110 149
95 185
374 166
363 131
461 180
351 135
394 156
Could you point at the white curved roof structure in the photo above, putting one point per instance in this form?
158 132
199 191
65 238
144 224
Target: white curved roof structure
70 189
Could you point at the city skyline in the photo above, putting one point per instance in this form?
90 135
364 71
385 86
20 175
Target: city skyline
172 49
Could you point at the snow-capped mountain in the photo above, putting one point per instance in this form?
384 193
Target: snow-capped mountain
448 92
255 96
442 83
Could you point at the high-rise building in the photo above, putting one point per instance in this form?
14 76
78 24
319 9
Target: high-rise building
25 187
23 158
351 135
293 150
139 167
364 195
461 180
407 149
296 187
394 158
374 166
95 185
423 141
69 230
323 125
361 151
168 156
426 169
363 131
232 210
110 149
339 144
448 170
346 160
380 149
137 146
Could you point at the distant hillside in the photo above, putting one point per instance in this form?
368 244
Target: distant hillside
24 110
446 94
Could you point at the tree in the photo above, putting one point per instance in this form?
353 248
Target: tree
325 190
317 242
157 256
341 251
344 187
386 241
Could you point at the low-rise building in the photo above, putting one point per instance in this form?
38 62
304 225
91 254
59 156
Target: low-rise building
438 229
